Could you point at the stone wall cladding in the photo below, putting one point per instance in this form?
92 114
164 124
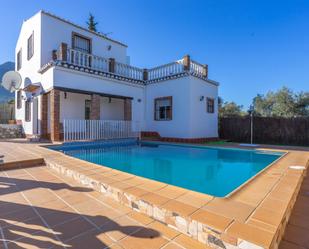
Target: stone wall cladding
11 131
63 52
55 115
95 107
128 109
200 231
186 62
170 218
44 114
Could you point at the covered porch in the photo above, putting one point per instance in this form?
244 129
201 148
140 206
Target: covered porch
60 104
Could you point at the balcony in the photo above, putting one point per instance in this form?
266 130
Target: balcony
108 67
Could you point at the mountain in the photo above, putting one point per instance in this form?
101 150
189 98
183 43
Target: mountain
4 94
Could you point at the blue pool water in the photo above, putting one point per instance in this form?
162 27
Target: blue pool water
214 171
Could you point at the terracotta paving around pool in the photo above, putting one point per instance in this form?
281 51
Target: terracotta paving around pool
253 217
297 232
42 209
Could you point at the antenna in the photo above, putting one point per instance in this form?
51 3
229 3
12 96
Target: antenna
11 81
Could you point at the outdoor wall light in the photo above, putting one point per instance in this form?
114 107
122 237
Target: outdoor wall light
201 98
139 100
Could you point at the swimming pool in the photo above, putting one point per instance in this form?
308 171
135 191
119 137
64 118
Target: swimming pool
213 171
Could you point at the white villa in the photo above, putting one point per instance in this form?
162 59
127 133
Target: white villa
71 73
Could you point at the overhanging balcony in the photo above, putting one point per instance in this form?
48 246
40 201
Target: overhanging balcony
90 63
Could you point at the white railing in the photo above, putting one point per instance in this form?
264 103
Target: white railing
165 70
99 63
88 130
128 71
197 68
83 59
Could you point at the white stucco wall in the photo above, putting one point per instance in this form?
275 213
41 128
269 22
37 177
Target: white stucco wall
113 110
32 126
56 31
93 83
47 80
73 107
190 117
202 123
179 89
29 68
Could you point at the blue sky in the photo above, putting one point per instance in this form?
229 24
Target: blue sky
250 46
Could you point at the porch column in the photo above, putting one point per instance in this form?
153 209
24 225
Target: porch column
127 109
95 107
44 113
55 115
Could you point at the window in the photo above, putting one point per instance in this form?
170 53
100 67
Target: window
87 109
18 99
81 43
163 109
30 47
210 105
27 111
19 59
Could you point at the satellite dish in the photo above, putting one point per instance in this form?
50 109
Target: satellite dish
11 81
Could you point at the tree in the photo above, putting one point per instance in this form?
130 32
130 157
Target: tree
229 109
302 104
92 24
262 105
283 103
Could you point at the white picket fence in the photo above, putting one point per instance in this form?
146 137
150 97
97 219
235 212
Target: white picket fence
89 130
